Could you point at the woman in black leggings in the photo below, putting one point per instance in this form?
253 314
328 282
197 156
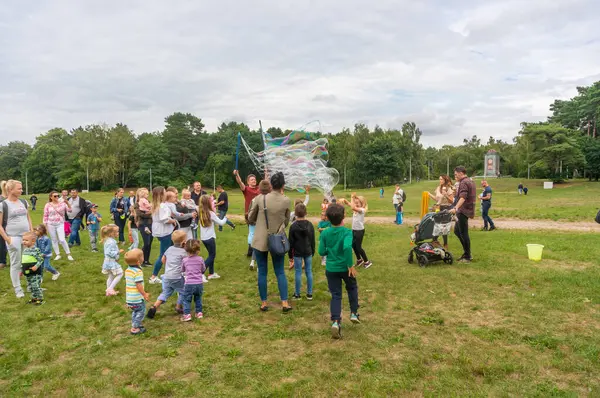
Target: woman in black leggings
143 219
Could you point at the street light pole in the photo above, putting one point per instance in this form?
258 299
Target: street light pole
150 179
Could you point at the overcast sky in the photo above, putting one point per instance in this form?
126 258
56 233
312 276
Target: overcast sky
455 67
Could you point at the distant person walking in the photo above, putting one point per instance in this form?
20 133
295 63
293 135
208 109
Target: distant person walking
223 206
55 213
398 201
520 188
381 192
14 223
119 208
464 209
33 199
78 208
486 204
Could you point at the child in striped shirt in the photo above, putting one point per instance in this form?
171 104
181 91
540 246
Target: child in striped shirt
135 295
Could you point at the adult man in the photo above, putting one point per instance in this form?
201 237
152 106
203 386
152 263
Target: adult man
223 206
75 215
520 188
33 199
249 191
464 209
197 193
486 203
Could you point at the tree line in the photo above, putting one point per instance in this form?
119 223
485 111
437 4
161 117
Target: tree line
184 151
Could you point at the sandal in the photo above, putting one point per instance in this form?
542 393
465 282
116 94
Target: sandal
286 309
264 308
138 332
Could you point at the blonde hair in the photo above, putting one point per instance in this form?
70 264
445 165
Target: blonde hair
184 192
179 237
363 202
171 194
134 257
205 209
30 234
108 231
158 196
8 186
139 192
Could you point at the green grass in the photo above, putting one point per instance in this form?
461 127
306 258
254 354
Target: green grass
502 325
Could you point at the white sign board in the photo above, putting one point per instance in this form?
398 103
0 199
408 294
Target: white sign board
548 185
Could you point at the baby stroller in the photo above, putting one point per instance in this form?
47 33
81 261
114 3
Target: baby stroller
425 251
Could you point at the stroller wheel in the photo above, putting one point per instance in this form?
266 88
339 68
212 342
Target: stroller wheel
423 261
448 259
411 257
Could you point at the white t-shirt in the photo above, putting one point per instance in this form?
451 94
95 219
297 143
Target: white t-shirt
358 219
75 209
208 232
397 197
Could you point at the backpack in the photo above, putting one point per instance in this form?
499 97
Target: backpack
5 211
403 196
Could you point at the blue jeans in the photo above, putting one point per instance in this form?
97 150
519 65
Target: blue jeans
485 209
334 282
222 214
192 292
262 259
75 225
48 267
165 243
211 247
307 270
138 313
170 286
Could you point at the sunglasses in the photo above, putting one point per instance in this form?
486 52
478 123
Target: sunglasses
55 196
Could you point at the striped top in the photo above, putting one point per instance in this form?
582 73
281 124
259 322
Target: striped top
133 276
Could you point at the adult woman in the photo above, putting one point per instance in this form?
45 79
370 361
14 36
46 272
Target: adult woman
277 208
143 220
3 251
55 213
14 222
162 228
119 208
443 196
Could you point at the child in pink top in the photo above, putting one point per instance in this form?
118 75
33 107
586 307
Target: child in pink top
193 267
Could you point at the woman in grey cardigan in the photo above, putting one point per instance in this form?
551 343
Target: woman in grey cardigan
278 213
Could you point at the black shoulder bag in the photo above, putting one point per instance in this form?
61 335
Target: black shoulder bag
277 243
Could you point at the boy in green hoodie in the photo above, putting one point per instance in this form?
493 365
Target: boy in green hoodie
336 244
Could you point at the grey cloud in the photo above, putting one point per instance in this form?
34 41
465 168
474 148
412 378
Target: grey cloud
324 98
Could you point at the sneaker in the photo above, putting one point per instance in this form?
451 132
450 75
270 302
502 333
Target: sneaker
296 297
336 330
204 280
110 292
58 257
39 302
465 260
359 263
154 280
199 315
70 258
214 276
367 264
151 312
309 297
186 318
492 228
251 265
484 229
94 250
233 227
20 294
56 276
354 318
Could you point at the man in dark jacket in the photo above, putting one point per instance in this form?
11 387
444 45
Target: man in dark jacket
302 248
75 215
464 209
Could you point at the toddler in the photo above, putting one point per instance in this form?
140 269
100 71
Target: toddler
193 267
111 266
189 203
93 221
32 262
302 248
44 243
135 295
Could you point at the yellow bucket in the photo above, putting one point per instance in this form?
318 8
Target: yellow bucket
535 251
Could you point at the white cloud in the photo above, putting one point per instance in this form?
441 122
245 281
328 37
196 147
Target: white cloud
455 69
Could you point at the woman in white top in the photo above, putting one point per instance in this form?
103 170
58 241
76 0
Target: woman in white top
443 196
206 221
162 228
14 222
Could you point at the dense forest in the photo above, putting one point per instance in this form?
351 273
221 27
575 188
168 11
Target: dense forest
184 151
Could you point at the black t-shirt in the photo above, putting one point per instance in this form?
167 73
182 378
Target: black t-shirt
196 197
33 199
132 219
225 200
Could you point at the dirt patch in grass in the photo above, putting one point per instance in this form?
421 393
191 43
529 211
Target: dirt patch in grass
563 265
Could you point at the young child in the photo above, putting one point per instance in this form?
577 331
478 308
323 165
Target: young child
32 262
171 203
193 267
207 220
322 226
93 221
172 279
135 295
359 208
143 202
336 244
189 203
324 205
302 248
44 243
297 201
133 230
111 267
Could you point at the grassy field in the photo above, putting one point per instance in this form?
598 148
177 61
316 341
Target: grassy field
502 325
